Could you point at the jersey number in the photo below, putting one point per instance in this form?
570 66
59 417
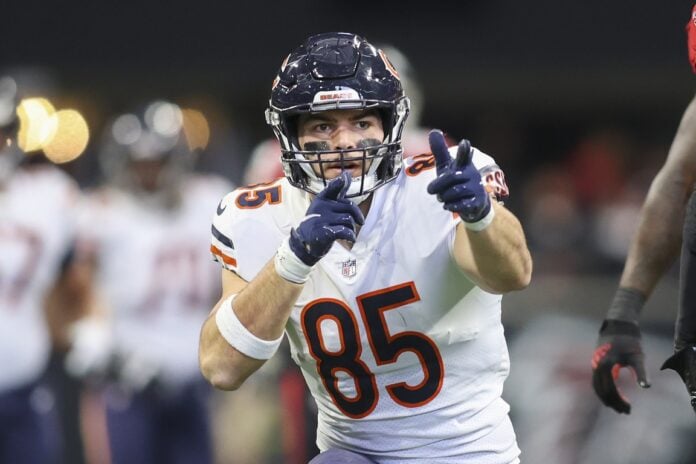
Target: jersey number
385 347
420 163
260 195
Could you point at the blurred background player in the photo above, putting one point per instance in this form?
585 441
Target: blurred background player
37 205
653 249
143 239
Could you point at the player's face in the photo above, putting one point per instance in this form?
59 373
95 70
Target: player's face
340 130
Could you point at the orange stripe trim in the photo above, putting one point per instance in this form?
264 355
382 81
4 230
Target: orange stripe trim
226 259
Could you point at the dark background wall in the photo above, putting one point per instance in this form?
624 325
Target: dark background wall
531 58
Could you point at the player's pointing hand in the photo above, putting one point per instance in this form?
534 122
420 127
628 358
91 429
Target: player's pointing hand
458 184
330 217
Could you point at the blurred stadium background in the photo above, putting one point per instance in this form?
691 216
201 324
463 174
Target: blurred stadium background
577 101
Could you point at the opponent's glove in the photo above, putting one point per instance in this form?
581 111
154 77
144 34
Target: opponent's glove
691 38
618 346
458 184
683 361
329 217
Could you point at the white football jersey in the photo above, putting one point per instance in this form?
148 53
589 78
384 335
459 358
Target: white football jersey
155 273
36 234
403 354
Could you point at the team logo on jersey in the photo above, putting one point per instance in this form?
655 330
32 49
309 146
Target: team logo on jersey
220 208
349 268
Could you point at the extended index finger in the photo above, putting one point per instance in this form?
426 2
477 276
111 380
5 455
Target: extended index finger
337 187
438 146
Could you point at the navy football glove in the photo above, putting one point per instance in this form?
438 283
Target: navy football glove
684 363
618 346
458 184
330 217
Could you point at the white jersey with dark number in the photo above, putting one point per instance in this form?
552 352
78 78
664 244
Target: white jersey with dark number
403 354
155 273
36 234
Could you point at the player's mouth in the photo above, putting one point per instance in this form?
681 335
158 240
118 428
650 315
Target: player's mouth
332 170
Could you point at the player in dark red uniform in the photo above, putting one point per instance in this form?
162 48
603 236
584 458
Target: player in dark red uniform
668 215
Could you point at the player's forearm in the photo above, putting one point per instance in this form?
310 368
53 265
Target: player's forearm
502 260
659 234
222 365
263 308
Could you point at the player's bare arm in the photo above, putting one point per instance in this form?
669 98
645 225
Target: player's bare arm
656 243
496 259
263 307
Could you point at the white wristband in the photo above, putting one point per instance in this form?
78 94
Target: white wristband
482 223
289 266
234 332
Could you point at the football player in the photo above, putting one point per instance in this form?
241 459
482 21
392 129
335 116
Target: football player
667 216
37 201
143 240
386 276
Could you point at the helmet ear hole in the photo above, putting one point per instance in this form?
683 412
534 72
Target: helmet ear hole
387 118
291 130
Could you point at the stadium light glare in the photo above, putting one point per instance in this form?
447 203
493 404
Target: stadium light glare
196 129
33 113
68 136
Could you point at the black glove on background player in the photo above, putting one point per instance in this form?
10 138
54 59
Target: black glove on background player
618 346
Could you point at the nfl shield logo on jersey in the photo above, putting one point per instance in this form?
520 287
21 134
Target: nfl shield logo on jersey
349 268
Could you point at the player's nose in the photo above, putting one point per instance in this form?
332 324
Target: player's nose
344 138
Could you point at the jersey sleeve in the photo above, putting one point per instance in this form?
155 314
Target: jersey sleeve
221 244
244 237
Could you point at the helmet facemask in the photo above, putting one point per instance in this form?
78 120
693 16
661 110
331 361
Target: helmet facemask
380 160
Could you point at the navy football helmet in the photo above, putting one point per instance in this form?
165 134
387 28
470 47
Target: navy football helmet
333 71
